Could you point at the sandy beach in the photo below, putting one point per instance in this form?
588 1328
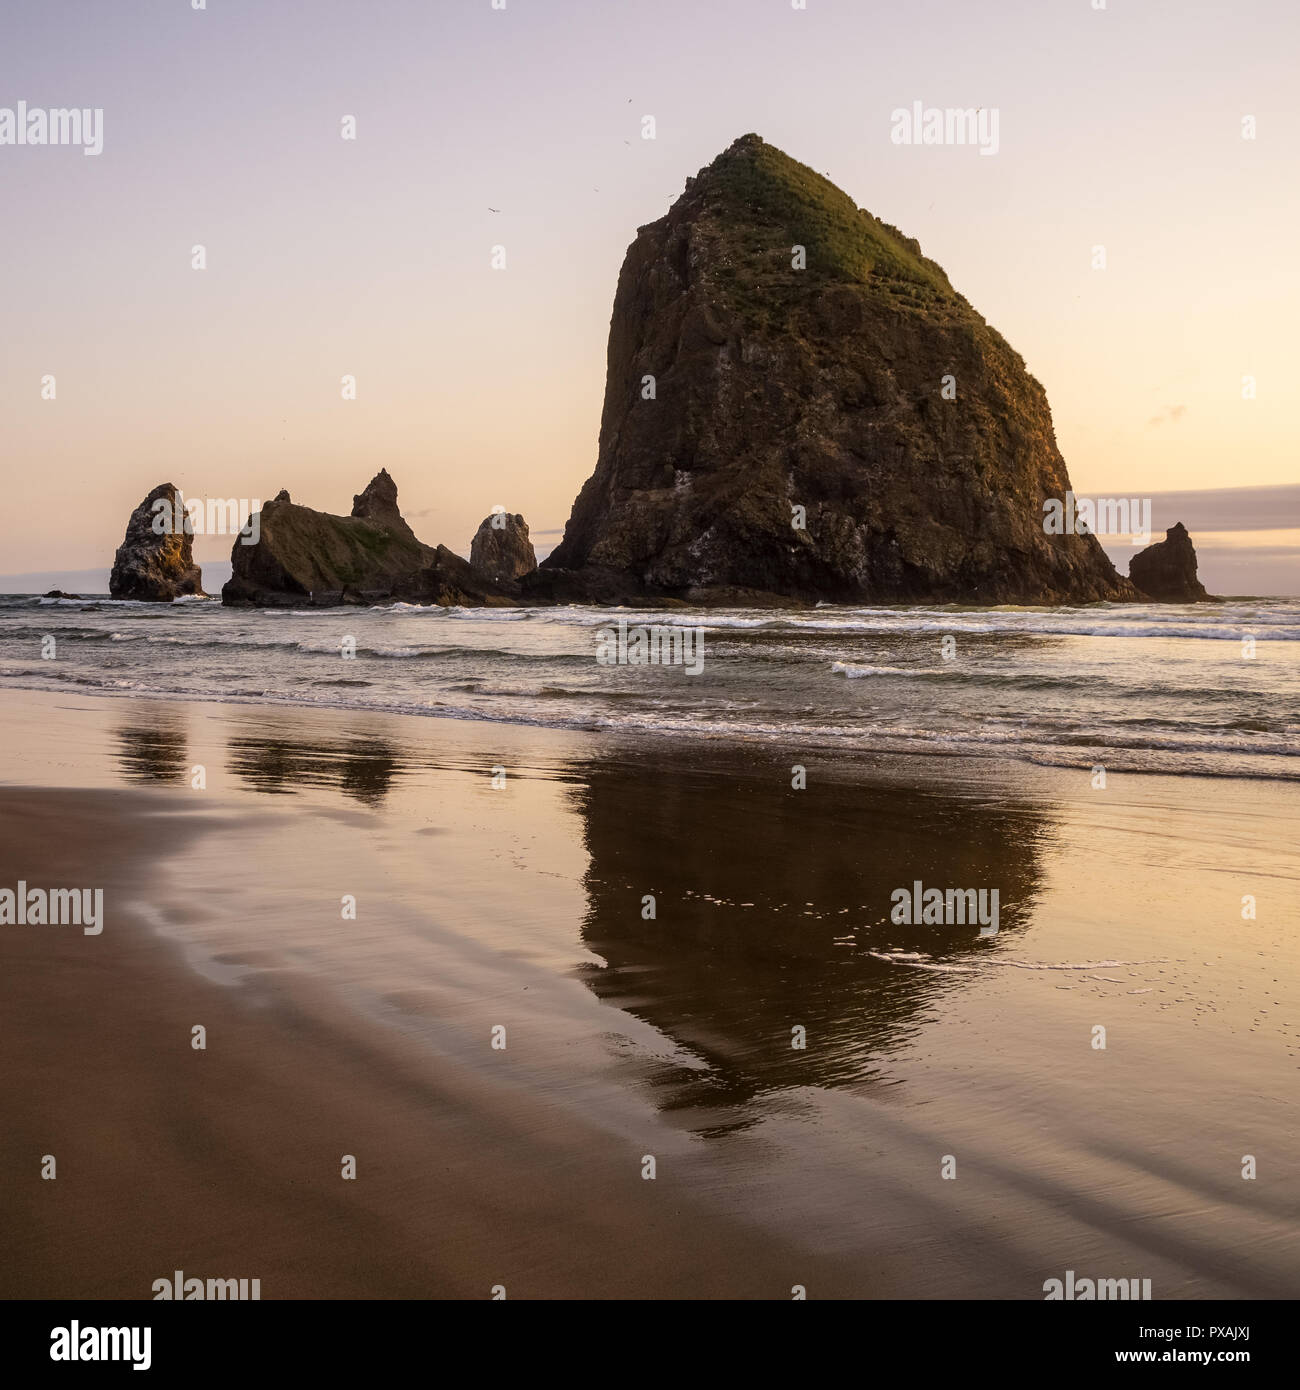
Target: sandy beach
519 907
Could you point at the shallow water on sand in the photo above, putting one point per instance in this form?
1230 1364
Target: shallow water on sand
927 1048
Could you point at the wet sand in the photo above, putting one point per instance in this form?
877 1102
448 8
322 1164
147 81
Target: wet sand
520 906
227 1162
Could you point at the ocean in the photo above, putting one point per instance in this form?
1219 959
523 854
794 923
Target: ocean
1210 689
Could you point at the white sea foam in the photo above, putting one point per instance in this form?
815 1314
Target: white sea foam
1015 688
851 672
916 960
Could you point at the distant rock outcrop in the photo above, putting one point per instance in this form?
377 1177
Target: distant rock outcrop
309 557
799 404
1166 571
153 566
58 593
501 549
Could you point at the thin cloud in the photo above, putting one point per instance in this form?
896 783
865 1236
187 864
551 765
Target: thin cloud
1268 508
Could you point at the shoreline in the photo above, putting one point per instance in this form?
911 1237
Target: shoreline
520 908
997 756
1173 692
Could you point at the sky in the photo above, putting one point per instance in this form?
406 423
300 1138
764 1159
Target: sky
521 127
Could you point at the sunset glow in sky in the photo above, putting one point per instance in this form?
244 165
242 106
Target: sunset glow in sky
475 387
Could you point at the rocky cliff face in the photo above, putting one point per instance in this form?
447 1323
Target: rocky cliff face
309 557
786 430
501 549
153 566
1166 571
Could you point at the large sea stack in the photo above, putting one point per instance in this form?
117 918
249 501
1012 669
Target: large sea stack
742 388
157 566
309 557
1166 571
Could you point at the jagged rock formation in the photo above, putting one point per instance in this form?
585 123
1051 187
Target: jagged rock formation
153 566
501 549
58 593
309 557
377 504
741 388
1166 571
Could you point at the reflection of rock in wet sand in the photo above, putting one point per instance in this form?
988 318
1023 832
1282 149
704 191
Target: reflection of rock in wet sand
360 767
768 902
152 747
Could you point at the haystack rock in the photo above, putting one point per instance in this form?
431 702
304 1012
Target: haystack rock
1166 571
152 566
304 556
501 548
798 403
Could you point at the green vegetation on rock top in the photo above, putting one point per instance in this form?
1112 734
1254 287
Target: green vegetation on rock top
773 202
